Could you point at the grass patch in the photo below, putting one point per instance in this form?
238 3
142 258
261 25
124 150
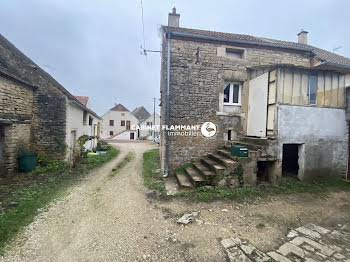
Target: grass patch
288 186
121 164
151 171
21 202
260 225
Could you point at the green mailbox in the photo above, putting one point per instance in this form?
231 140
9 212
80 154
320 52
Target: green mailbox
240 151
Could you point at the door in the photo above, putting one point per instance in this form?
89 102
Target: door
127 125
257 106
73 141
132 136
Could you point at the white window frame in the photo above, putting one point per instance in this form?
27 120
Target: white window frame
230 99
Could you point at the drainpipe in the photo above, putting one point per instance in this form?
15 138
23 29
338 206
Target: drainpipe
167 112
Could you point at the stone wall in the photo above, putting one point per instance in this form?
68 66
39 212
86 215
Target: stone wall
198 72
16 109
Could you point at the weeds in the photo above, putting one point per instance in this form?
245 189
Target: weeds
288 186
151 172
121 164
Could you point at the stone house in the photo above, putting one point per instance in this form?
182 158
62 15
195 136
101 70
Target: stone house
152 127
284 101
117 123
34 109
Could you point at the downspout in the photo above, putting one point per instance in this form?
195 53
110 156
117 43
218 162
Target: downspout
167 112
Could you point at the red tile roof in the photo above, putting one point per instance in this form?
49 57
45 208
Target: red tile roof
82 99
321 54
119 107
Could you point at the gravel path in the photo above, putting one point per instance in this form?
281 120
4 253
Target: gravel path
117 219
103 219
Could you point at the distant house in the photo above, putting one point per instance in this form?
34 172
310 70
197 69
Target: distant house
81 120
36 112
153 121
140 113
117 123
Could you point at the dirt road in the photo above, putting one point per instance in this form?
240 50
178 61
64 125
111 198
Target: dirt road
113 219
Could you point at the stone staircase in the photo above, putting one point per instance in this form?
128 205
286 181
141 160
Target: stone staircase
209 170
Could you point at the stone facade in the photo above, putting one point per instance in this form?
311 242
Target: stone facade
16 109
198 71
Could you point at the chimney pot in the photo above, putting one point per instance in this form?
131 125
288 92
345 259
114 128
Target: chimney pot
174 18
302 37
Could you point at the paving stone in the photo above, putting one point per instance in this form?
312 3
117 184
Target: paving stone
308 232
339 256
343 236
292 234
323 249
237 255
248 249
259 256
307 259
278 257
227 243
288 248
318 229
308 248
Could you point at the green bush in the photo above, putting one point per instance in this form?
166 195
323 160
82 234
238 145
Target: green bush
102 146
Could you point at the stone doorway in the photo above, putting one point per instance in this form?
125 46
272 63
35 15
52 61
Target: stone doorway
290 159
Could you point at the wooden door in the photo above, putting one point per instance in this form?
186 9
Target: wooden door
127 125
257 106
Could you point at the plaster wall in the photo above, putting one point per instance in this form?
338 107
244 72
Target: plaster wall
322 135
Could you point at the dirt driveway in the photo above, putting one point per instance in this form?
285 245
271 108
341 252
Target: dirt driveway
117 219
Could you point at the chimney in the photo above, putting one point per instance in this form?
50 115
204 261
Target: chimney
302 37
174 19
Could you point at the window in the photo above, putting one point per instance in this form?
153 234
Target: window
111 133
232 94
111 122
312 89
122 123
123 114
234 53
90 121
149 123
84 118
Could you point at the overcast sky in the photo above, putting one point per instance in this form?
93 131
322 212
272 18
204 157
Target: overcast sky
93 47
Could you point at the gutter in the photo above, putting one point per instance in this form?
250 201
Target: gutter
237 41
167 111
83 107
335 65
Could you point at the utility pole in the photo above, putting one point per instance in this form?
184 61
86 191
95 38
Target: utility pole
154 117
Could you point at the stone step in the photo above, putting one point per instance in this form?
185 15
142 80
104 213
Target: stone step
196 179
226 162
184 181
226 153
203 171
213 166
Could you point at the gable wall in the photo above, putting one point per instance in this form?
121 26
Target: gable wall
196 92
